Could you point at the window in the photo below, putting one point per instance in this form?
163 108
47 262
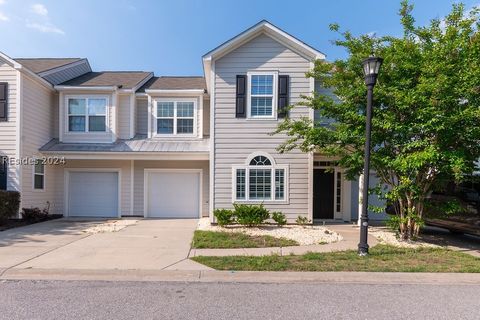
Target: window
175 117
87 114
262 95
260 180
38 175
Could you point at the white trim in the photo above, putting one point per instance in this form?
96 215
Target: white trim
260 153
132 186
211 163
311 155
274 95
86 97
87 88
149 117
145 184
66 175
175 91
18 133
175 134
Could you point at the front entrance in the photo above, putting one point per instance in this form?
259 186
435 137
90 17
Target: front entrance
323 194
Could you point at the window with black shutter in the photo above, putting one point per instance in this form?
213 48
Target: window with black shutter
3 101
283 89
241 100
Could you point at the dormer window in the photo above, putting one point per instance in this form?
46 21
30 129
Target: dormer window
175 117
87 114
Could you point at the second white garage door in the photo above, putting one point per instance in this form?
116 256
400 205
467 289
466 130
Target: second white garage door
172 194
92 194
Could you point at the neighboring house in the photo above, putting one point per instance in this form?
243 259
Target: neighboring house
169 147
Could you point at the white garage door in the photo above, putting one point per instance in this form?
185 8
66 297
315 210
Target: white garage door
93 194
172 194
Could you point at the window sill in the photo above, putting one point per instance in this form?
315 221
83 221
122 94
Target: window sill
261 201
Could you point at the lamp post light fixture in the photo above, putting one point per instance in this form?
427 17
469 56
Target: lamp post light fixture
371 67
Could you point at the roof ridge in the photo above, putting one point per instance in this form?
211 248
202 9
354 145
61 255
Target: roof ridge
64 58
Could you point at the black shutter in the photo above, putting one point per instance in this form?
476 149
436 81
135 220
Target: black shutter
283 84
3 101
3 173
241 110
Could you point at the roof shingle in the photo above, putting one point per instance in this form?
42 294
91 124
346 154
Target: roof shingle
175 83
39 65
123 79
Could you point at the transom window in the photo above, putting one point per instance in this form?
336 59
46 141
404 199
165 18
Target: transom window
87 114
260 180
175 117
262 95
38 175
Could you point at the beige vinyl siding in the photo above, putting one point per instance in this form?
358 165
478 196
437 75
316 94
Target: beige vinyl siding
123 165
206 117
90 137
141 116
236 139
67 73
37 129
140 167
8 129
124 116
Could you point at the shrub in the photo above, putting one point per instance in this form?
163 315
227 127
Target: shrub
301 220
9 204
224 216
251 215
279 218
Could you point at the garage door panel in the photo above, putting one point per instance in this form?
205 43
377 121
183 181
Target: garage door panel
93 194
173 194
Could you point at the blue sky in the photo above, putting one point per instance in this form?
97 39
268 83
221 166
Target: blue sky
170 36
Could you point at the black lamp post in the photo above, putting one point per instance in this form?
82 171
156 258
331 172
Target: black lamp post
371 66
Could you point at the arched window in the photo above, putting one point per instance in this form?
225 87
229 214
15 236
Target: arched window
260 161
260 180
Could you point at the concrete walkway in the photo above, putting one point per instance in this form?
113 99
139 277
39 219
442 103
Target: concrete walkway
349 232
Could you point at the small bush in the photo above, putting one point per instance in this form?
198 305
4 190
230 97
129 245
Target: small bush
224 216
9 204
301 220
279 218
35 214
251 215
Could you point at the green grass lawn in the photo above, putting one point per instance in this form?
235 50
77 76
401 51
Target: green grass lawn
382 258
223 240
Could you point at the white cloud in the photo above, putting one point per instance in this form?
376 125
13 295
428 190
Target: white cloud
46 28
39 9
2 2
3 17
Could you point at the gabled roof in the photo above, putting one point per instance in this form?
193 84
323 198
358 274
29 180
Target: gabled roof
174 83
263 27
39 65
119 79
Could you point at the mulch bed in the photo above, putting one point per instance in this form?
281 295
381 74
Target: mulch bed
15 223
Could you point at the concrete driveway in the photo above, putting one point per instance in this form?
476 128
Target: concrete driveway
63 244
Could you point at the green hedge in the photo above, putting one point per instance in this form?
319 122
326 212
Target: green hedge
9 204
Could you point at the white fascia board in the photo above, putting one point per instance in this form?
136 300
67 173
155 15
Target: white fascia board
103 88
176 91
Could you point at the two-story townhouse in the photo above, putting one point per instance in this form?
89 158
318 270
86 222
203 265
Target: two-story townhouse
172 147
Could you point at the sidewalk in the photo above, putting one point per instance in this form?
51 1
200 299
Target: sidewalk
349 232
208 276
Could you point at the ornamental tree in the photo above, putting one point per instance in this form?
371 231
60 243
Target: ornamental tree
426 111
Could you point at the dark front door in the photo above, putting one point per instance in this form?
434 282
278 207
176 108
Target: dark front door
323 193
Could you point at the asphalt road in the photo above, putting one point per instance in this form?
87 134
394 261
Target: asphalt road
160 300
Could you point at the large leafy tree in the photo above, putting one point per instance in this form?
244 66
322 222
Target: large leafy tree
426 114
